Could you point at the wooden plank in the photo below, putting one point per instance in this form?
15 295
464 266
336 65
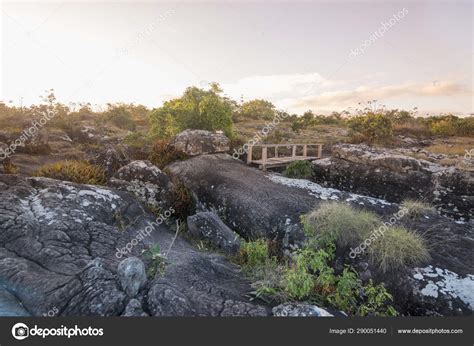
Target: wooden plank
293 151
249 155
305 150
320 151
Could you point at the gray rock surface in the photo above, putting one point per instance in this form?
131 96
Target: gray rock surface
147 182
132 275
60 247
198 142
384 174
299 310
111 158
257 204
208 226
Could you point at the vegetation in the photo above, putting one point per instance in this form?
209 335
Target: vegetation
256 109
416 208
157 261
398 249
163 154
183 200
196 109
373 126
79 172
299 170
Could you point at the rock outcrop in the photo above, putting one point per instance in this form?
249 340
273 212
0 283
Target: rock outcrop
61 245
198 142
256 204
209 227
147 182
394 177
299 310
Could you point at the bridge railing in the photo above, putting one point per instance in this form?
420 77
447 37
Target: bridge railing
283 158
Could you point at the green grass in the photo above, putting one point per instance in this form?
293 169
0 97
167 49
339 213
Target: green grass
416 208
398 248
299 170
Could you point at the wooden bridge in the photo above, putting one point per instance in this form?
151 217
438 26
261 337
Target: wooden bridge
278 159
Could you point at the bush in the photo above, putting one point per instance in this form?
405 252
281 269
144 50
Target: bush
299 170
254 253
163 154
416 208
397 249
120 116
79 172
375 127
340 223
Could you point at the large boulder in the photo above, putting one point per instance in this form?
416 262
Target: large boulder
61 245
299 310
147 182
261 204
198 142
384 174
132 275
208 226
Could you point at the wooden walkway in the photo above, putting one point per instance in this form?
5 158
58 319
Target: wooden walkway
279 160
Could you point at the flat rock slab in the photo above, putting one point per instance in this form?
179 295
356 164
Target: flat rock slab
61 243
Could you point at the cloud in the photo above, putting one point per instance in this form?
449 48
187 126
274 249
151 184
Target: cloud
341 99
277 87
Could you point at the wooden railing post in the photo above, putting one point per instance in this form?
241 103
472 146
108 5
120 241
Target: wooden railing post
305 150
276 151
293 153
320 151
249 155
264 158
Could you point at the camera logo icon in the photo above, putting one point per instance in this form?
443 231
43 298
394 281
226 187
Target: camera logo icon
20 331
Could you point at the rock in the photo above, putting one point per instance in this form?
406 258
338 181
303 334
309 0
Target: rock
61 244
383 174
111 158
9 305
208 226
198 142
134 309
147 182
299 310
3 153
258 204
132 275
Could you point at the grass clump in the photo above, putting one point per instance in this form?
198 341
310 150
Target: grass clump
414 208
398 248
79 172
299 170
254 253
163 154
339 222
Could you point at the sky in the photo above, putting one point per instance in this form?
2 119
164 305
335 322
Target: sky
320 55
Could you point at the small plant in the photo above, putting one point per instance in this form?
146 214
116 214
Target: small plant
9 167
398 248
416 208
163 154
254 253
183 201
299 170
299 281
375 302
79 172
340 223
157 261
346 290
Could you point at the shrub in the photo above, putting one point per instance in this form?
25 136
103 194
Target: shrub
254 253
398 248
183 201
416 208
299 170
375 127
299 281
120 116
376 300
163 154
79 172
338 222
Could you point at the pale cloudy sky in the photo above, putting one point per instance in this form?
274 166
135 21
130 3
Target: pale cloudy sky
296 54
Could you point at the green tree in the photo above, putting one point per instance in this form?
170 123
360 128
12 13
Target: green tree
196 109
257 109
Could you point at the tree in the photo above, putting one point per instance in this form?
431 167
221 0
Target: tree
196 109
257 109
